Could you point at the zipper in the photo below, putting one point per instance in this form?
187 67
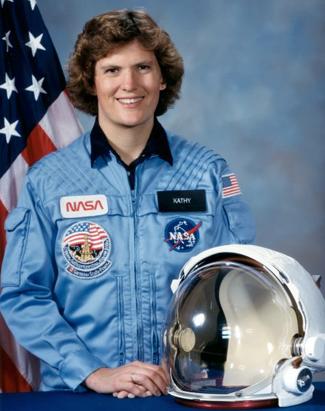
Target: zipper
121 323
155 340
136 271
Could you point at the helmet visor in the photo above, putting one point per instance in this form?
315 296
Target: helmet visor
229 326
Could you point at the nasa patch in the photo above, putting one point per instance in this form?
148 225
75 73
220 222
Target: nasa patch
83 206
86 246
182 234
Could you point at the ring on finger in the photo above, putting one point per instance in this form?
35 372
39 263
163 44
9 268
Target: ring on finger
132 378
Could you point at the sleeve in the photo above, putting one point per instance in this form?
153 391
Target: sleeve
237 213
26 303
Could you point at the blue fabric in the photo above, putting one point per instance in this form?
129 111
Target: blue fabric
92 290
67 401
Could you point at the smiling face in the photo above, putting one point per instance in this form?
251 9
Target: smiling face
128 82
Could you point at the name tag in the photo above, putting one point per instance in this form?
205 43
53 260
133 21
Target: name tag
182 200
83 206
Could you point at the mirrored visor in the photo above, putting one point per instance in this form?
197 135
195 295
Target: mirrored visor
229 326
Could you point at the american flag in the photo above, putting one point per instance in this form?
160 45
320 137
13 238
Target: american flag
35 119
230 186
91 233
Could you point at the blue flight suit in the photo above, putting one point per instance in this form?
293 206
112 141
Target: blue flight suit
89 262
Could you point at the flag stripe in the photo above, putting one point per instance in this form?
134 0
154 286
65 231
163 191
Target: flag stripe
60 122
21 368
11 380
38 145
11 182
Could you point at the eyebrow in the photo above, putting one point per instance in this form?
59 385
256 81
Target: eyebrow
139 63
106 66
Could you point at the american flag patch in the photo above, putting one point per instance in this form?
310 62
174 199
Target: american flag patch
230 186
85 232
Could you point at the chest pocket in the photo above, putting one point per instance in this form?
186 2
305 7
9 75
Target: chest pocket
169 234
17 227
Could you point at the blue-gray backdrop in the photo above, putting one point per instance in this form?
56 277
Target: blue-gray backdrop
254 91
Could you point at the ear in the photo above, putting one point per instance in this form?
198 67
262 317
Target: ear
163 85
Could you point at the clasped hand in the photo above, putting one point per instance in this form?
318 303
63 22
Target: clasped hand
136 379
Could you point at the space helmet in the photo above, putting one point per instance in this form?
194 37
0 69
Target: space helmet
245 329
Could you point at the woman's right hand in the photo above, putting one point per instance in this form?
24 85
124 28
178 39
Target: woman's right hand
136 379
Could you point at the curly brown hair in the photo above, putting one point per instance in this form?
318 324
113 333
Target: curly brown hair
107 31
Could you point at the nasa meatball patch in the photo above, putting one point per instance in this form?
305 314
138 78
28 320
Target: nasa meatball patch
182 234
86 247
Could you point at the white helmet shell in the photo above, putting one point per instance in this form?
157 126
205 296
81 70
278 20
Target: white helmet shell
246 327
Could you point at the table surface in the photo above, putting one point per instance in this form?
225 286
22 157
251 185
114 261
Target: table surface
67 401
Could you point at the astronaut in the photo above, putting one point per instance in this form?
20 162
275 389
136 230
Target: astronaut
103 226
